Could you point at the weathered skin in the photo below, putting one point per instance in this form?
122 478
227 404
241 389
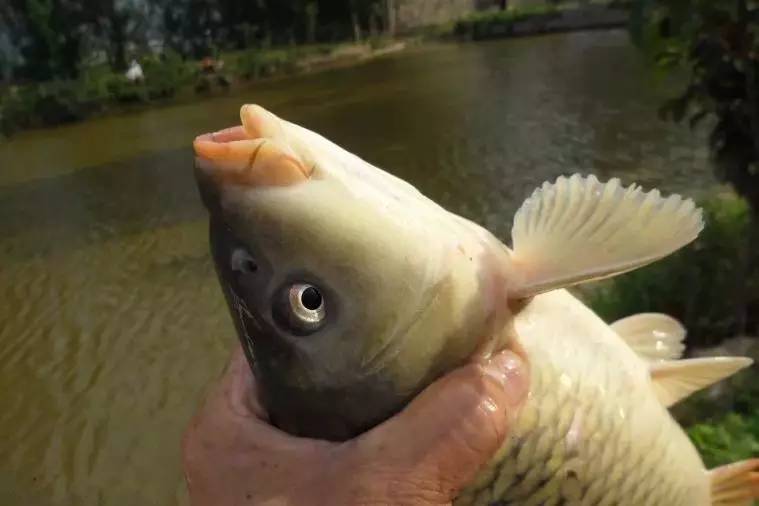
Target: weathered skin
412 291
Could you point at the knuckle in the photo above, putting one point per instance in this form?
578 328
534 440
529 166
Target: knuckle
482 423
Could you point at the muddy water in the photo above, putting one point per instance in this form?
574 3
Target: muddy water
111 322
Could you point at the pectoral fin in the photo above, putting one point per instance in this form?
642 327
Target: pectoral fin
578 229
653 336
677 379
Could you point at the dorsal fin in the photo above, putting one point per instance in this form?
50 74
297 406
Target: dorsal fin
578 229
676 379
653 336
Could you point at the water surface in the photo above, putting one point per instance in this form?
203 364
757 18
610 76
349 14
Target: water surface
111 321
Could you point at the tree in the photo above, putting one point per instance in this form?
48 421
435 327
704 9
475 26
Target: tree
10 35
391 17
717 41
53 35
311 13
353 9
119 23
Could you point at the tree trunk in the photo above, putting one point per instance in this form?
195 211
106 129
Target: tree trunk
391 17
504 4
356 26
118 41
354 21
312 14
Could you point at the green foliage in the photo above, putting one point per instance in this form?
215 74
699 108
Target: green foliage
95 91
717 41
99 89
256 64
262 63
486 24
58 37
49 103
728 439
166 75
707 285
52 45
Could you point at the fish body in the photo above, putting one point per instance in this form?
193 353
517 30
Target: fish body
351 292
592 430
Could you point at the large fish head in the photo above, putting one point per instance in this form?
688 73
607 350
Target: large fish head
350 289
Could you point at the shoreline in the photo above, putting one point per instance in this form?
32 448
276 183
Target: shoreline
45 105
340 56
547 20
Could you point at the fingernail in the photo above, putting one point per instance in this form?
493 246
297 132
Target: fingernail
510 371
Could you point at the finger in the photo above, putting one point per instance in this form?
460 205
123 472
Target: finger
454 427
231 455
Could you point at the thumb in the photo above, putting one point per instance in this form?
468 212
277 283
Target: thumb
444 437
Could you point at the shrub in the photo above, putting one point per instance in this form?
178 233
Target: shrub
485 24
165 75
728 439
12 112
124 91
707 285
256 64
44 104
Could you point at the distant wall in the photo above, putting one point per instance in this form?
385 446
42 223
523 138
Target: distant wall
416 13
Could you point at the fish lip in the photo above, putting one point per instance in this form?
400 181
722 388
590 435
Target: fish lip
224 136
234 133
231 155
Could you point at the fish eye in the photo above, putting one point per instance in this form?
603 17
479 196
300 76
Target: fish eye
241 261
301 308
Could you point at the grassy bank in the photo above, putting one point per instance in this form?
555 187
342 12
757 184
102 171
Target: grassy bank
168 78
542 18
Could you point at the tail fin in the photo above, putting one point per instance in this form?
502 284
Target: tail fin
735 484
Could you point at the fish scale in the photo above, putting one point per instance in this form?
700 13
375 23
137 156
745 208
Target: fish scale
601 463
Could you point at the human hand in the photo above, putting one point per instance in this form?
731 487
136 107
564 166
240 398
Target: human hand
423 456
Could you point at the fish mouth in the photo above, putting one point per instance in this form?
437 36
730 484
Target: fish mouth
253 154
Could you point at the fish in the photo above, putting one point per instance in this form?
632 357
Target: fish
351 291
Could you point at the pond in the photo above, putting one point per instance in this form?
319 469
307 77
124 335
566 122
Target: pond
112 321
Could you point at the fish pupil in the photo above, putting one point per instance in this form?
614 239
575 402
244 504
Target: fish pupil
311 298
250 266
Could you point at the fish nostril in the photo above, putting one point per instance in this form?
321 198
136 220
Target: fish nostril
241 261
